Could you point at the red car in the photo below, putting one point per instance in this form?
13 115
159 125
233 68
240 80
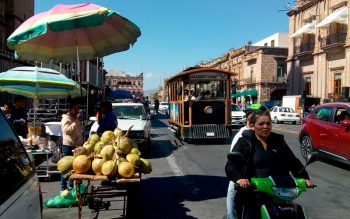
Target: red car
327 130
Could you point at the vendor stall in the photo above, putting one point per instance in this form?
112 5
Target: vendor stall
94 195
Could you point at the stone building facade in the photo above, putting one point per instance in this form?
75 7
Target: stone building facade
124 81
12 14
258 69
318 61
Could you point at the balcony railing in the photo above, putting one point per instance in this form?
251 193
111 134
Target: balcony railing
305 47
247 81
335 38
274 79
282 79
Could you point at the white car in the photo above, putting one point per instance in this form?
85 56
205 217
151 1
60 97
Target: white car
20 188
131 114
284 114
163 106
238 116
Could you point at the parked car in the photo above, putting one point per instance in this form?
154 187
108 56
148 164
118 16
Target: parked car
284 114
237 115
163 106
325 130
20 188
131 114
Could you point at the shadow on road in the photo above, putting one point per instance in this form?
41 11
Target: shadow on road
165 197
159 121
161 148
335 163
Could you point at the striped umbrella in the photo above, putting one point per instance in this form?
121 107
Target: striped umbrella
38 82
64 31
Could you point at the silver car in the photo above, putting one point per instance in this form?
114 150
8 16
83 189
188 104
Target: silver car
19 188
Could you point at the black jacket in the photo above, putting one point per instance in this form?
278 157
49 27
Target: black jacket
19 121
278 159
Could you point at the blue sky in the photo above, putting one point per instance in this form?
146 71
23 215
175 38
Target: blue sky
180 33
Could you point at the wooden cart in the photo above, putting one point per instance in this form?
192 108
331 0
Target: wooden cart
120 187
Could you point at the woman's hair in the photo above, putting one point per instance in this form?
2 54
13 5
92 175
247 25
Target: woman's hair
249 115
18 98
257 114
106 104
73 103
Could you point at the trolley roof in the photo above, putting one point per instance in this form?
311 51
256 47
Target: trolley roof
192 70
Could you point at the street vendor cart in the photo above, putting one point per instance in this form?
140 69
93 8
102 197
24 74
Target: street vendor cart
95 194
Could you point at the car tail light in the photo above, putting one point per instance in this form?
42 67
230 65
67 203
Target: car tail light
297 115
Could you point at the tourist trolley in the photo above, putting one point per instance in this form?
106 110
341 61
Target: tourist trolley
200 103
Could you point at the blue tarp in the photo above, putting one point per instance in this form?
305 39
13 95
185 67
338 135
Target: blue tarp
119 94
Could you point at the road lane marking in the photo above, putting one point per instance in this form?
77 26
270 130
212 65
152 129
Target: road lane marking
284 130
181 176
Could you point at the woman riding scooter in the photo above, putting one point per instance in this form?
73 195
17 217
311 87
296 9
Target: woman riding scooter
266 154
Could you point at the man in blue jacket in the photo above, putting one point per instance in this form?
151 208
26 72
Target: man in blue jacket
106 118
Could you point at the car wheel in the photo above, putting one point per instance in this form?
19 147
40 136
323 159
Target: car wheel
276 120
306 146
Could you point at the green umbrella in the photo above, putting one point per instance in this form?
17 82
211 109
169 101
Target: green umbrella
35 82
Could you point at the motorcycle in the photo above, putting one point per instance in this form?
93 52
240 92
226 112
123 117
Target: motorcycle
275 194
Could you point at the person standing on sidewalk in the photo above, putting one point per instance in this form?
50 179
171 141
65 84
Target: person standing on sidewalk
19 117
72 134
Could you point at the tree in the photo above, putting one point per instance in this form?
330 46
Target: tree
155 96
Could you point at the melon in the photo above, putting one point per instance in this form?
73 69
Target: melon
134 159
126 170
145 166
81 164
107 152
109 168
65 164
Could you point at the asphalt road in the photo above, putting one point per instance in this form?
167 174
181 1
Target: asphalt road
188 181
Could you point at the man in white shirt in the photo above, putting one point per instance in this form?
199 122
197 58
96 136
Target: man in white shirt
231 192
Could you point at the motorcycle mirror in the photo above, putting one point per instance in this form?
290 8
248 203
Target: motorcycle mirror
236 156
312 157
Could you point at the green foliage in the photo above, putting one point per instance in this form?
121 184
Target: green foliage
155 96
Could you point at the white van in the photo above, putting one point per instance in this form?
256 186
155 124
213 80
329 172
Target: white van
135 115
20 195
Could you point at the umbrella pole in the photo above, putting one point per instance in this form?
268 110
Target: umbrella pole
81 90
35 111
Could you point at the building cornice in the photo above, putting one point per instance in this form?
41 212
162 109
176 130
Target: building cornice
302 5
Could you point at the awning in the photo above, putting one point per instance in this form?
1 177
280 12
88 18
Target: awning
250 92
237 94
339 16
307 28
